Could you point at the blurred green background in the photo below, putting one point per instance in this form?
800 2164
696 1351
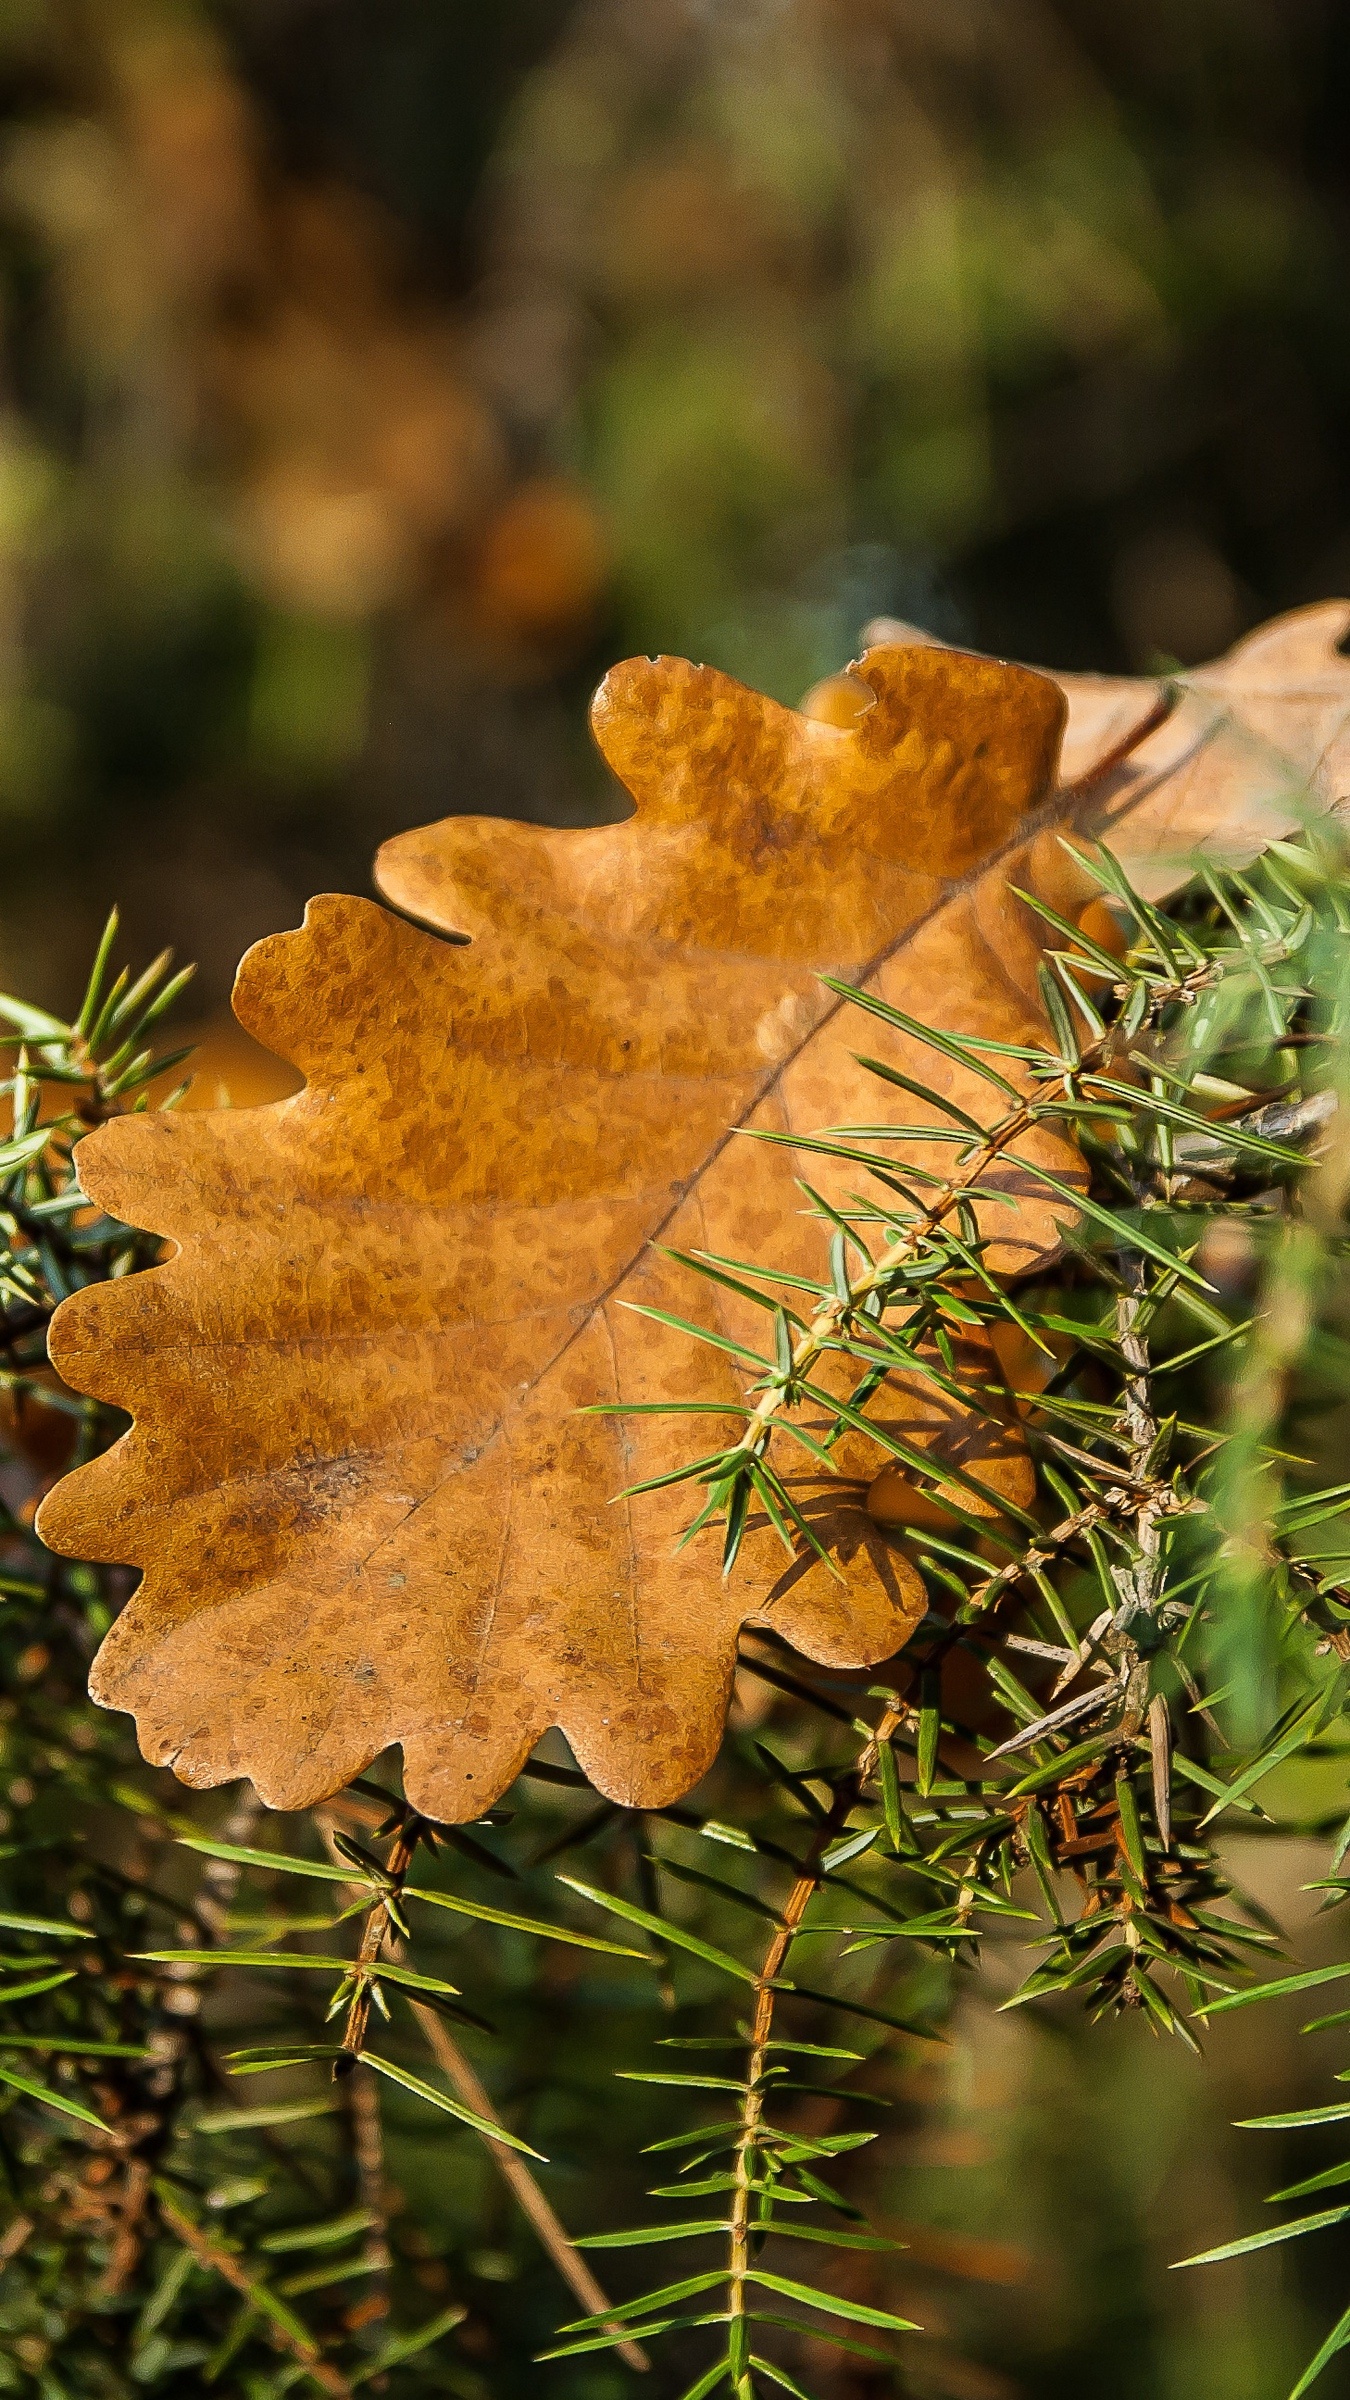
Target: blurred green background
377 371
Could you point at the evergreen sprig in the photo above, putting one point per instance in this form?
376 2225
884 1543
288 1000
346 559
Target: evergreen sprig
1104 1681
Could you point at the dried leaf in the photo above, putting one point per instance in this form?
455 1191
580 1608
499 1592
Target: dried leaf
360 1484
1254 738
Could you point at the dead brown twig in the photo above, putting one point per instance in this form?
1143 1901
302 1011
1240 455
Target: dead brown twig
213 2255
510 2165
516 2175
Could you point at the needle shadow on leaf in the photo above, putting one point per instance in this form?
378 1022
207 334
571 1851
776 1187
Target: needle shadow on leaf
363 1483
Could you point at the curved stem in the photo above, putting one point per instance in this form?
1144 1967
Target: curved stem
1095 1060
847 1795
827 1321
373 1933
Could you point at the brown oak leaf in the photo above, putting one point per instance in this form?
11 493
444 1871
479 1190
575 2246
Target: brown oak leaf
361 1482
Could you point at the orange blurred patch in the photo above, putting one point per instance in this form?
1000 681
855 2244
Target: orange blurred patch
32 1429
967 2256
541 564
682 224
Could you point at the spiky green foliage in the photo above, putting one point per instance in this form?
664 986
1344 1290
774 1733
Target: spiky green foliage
1105 1680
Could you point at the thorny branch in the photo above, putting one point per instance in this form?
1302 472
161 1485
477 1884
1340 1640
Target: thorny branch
885 1275
973 1812
848 1791
382 1926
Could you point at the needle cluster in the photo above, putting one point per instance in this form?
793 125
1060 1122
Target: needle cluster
1111 1672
